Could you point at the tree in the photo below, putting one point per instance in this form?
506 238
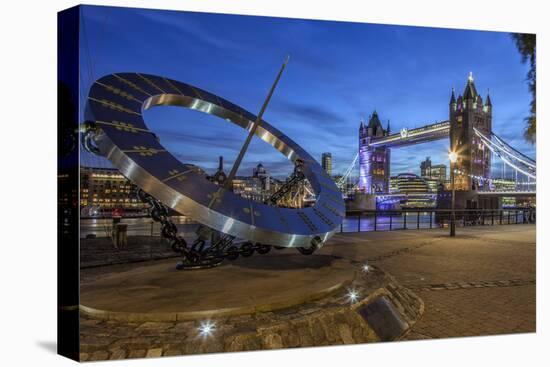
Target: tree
527 47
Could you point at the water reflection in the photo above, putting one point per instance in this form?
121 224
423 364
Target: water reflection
388 222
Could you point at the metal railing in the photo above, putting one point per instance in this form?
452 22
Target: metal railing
355 221
390 220
136 226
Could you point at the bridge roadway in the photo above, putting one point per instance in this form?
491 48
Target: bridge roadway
439 130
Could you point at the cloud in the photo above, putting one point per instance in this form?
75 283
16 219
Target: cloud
307 112
203 140
197 30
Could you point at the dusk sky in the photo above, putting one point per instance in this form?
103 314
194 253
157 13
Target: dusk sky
338 73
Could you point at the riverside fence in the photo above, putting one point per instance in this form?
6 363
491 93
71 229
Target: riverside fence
390 220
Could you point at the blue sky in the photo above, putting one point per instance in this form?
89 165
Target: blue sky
339 72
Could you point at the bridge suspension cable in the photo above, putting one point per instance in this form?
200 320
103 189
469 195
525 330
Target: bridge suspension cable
342 181
522 157
510 156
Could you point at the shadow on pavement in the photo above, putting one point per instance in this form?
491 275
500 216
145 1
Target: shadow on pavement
286 262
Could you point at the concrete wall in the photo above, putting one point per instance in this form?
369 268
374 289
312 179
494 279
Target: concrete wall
362 202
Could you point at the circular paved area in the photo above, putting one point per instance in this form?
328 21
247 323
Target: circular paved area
259 283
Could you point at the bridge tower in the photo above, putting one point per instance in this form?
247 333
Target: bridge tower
466 112
374 162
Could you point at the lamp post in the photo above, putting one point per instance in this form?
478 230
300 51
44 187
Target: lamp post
452 158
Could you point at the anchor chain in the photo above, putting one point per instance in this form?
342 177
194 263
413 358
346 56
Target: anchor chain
199 254
169 230
295 179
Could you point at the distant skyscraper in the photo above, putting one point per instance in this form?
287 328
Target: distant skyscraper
326 162
425 168
436 172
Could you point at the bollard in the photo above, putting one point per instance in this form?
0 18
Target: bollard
120 238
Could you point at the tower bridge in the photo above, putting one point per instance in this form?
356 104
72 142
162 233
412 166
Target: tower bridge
470 133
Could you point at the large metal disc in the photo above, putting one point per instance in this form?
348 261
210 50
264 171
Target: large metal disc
115 104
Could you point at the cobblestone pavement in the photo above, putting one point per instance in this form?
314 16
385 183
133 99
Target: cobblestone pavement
481 282
476 311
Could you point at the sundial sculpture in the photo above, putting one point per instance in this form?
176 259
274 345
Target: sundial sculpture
230 225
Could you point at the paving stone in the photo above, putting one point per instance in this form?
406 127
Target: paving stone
172 352
152 325
272 341
153 353
137 353
242 342
345 334
99 355
118 354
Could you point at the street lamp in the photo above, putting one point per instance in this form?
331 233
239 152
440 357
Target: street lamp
453 158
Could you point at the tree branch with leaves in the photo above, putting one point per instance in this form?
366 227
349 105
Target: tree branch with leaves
527 47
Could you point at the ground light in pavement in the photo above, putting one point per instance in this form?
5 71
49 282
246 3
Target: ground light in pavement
206 329
365 268
353 295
